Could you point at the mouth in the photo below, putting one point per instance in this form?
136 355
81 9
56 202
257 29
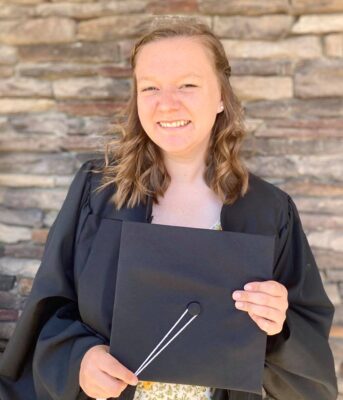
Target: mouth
171 125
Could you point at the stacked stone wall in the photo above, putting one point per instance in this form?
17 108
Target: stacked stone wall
64 77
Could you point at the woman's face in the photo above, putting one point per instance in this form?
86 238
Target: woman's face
176 82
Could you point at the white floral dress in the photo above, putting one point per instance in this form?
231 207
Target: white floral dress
171 391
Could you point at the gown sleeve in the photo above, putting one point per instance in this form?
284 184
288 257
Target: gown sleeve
43 356
299 363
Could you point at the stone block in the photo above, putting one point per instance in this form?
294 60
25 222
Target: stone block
72 1
50 164
24 267
327 258
50 217
259 88
23 32
24 87
328 205
291 48
300 128
9 300
6 282
335 275
58 71
338 316
91 88
336 345
25 286
262 67
44 123
91 108
336 332
245 7
87 10
172 7
261 27
4 125
90 125
318 24
24 2
77 11
8 54
34 143
14 106
12 11
81 52
24 250
295 108
108 28
47 199
7 328
13 234
315 6
27 217
320 222
333 293
334 45
13 142
9 315
328 239
6 72
84 143
282 146
295 166
39 235
26 180
319 78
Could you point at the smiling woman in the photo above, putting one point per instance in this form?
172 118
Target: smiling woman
175 162
189 83
186 90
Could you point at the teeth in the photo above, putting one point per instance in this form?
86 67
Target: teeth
174 124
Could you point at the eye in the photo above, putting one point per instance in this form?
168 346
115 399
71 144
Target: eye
189 85
148 88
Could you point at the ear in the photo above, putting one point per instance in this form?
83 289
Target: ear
221 107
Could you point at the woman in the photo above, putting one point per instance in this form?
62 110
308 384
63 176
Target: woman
176 162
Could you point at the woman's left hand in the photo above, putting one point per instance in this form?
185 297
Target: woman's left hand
266 303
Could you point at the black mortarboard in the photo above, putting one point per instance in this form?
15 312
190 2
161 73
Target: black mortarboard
162 271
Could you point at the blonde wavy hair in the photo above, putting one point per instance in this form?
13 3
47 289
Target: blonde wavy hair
134 164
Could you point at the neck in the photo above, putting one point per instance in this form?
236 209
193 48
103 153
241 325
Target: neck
185 171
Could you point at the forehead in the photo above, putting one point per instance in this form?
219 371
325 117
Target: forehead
174 57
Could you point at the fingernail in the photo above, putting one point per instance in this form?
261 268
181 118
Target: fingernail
247 287
236 295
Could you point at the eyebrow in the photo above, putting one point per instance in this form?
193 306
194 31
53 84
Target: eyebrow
152 78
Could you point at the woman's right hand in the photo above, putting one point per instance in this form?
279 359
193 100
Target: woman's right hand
102 376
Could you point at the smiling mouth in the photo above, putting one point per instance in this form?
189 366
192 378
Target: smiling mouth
173 125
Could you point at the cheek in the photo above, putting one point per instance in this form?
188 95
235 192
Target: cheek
145 109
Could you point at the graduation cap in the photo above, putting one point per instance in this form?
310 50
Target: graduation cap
174 319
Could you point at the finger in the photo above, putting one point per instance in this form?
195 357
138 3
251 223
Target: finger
117 370
270 327
99 392
261 311
107 386
261 298
273 288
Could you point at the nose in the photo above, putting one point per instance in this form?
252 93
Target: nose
168 100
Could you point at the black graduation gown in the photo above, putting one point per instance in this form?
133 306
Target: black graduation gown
69 309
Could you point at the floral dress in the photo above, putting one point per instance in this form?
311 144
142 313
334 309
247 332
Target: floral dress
171 391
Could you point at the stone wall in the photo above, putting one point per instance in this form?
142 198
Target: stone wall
64 76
